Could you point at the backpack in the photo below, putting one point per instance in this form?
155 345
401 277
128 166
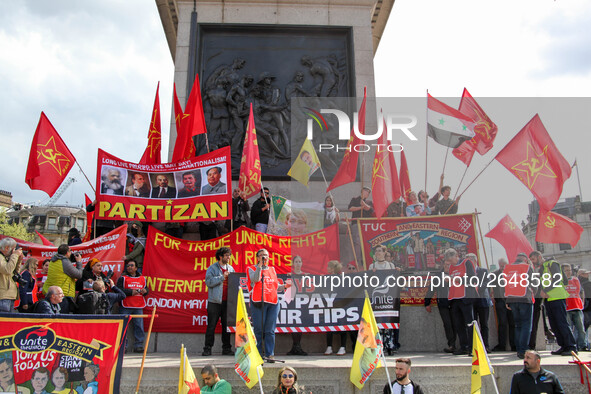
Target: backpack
93 303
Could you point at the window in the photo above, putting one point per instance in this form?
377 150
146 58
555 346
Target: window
51 223
565 247
63 221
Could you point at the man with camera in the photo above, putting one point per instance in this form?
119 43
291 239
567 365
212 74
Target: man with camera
10 256
62 272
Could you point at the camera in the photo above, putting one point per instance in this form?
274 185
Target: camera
17 278
110 274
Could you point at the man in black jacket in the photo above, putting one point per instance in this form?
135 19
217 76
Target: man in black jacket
533 378
402 380
259 215
504 315
51 304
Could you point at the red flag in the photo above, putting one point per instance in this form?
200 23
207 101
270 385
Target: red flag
250 165
465 152
44 240
50 160
183 138
152 153
533 158
347 171
89 220
485 129
384 178
557 229
194 111
510 236
404 178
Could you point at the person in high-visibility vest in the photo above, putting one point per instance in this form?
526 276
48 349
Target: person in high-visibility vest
135 288
264 307
555 294
574 306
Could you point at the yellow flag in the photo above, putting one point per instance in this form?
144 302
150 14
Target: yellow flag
188 383
305 164
480 365
247 357
368 349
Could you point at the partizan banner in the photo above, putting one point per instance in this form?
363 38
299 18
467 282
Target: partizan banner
175 269
197 189
67 354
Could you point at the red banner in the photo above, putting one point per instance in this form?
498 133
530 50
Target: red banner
54 355
175 268
197 189
108 248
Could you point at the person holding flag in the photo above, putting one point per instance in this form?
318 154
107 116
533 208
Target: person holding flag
264 286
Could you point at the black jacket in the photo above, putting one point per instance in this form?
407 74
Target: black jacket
524 383
415 387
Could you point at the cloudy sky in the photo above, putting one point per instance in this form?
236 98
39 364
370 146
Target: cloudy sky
93 67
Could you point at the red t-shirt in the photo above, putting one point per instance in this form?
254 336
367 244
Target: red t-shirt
225 290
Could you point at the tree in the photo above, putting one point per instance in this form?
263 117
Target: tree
14 230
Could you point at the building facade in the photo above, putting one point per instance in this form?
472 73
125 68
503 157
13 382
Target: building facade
575 209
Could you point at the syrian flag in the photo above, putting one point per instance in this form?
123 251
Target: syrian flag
448 126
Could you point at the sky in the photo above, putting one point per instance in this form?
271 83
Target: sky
93 67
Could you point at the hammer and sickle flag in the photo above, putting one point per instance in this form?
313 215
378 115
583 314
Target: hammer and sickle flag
510 236
50 160
534 159
385 185
250 165
554 229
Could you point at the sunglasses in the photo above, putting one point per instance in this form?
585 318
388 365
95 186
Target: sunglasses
286 376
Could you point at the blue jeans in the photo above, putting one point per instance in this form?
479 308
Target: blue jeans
138 326
265 330
7 306
522 316
260 227
575 321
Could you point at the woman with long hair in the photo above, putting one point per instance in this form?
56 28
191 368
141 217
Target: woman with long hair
287 382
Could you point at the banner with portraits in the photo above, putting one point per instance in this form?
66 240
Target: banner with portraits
416 245
197 189
175 268
72 353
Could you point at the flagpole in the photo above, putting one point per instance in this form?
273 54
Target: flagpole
481 238
426 137
474 322
83 173
461 180
473 180
259 376
579 180
139 378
